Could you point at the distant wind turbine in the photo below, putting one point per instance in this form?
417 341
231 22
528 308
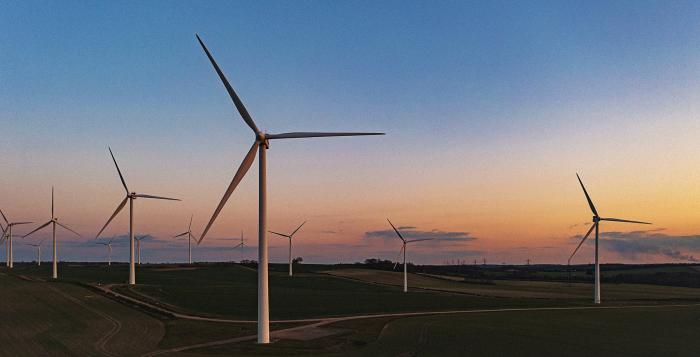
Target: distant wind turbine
403 250
130 196
241 245
3 237
138 247
261 144
38 253
9 236
596 223
109 250
289 236
53 222
190 238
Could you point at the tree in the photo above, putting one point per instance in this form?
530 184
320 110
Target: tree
297 260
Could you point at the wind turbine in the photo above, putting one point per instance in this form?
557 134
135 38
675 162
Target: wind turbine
138 247
130 196
403 249
261 144
9 236
289 236
3 237
53 222
38 253
109 249
190 237
241 245
596 223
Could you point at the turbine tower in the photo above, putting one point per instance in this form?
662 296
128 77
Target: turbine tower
109 250
403 250
9 236
38 253
53 222
596 223
130 196
261 144
190 238
289 236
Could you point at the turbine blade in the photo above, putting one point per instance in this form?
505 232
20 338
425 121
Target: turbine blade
622 220
66 227
51 202
232 93
18 223
38 228
297 229
419 240
280 234
157 197
118 171
581 243
119 208
396 230
398 256
180 235
299 135
4 218
590 203
189 229
242 170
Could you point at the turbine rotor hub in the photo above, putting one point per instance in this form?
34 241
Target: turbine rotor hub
596 219
262 139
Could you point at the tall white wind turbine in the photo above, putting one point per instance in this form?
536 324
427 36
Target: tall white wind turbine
38 253
403 250
190 238
53 222
130 196
596 223
108 245
261 144
289 236
8 237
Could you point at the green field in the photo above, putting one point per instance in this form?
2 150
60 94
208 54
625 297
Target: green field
72 317
630 332
526 289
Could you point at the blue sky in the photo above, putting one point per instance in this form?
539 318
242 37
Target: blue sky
486 101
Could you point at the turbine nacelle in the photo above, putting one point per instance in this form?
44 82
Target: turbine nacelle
596 219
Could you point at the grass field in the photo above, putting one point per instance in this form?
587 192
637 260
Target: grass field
631 332
44 319
526 289
230 291
69 317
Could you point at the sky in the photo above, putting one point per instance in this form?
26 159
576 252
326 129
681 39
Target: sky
490 109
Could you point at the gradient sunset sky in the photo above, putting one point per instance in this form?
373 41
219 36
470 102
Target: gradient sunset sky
490 109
